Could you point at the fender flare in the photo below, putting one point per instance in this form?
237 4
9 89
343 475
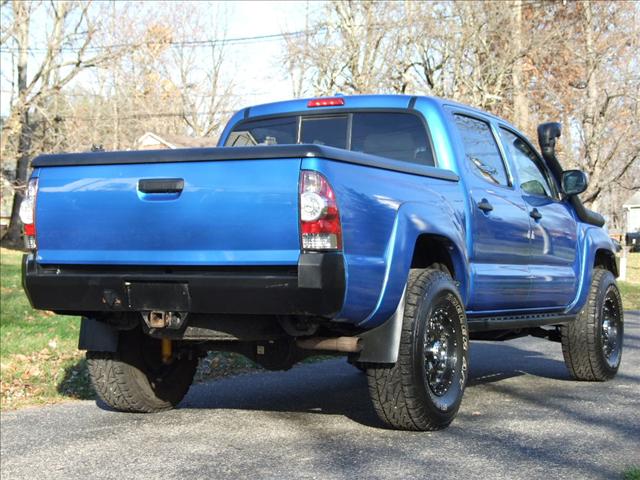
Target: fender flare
594 239
412 220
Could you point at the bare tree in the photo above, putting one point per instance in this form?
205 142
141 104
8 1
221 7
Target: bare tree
68 52
203 82
591 80
177 81
347 49
526 60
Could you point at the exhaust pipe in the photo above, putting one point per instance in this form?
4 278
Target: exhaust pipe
339 344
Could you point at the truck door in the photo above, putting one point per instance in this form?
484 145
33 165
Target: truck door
553 262
499 247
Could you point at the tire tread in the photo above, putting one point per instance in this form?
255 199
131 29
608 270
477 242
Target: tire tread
581 351
126 388
391 387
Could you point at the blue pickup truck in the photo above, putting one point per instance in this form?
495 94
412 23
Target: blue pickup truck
390 229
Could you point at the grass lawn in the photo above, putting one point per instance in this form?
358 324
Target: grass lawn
631 288
39 361
633 267
632 473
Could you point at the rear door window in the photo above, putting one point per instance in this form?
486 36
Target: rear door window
481 150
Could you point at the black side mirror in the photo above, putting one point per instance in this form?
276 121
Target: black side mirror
574 182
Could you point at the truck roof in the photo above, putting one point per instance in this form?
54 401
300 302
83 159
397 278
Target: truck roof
356 101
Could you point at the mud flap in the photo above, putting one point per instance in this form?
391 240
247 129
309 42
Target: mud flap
97 336
382 344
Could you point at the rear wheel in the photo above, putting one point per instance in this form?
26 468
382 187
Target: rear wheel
423 389
592 343
134 379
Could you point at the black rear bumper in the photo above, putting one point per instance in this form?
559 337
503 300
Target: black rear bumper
315 287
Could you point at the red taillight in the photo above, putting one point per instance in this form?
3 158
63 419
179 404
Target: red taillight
319 217
30 230
326 102
28 213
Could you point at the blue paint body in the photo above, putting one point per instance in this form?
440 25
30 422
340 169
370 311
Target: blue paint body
246 213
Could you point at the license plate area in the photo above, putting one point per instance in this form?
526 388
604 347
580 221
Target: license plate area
158 296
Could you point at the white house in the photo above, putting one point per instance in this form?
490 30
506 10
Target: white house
632 208
153 141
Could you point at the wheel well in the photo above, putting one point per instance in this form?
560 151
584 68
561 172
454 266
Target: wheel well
430 249
606 259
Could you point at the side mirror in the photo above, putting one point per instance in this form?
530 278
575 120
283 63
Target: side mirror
574 182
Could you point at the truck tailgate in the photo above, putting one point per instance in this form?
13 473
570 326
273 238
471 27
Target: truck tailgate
240 212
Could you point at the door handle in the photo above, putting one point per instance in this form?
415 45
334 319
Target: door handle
485 206
161 185
535 214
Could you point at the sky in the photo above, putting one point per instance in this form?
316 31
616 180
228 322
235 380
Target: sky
256 70
259 74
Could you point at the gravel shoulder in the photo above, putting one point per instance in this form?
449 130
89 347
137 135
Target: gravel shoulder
522 417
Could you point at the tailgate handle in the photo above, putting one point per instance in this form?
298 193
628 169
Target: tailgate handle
161 185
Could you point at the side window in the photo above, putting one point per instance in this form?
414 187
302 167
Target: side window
481 150
400 136
533 179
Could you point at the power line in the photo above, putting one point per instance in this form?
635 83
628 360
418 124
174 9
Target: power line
235 40
137 116
184 43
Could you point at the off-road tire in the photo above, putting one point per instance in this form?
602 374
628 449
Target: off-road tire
582 338
401 392
133 379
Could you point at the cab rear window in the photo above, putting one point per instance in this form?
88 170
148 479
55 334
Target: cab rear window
400 136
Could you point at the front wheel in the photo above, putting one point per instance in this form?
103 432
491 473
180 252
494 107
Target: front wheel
423 389
134 379
592 343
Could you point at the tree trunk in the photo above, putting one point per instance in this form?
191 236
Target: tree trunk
520 94
13 235
590 119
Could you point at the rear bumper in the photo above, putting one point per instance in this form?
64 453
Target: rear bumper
315 287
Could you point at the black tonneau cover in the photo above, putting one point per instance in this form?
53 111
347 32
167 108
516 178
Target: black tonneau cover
240 153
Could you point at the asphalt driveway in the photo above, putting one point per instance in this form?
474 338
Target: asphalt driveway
522 417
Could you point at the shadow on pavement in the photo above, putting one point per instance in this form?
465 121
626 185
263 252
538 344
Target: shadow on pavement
335 388
340 389
521 409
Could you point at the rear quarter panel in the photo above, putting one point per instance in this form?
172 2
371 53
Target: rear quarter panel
382 215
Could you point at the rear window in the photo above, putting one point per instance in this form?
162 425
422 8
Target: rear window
330 131
400 136
264 132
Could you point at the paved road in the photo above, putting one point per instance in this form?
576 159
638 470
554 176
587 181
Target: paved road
521 418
